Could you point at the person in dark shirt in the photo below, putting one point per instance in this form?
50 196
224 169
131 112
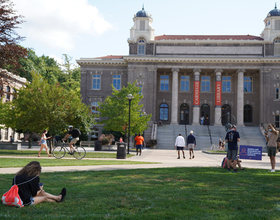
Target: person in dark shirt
30 191
191 144
74 133
232 138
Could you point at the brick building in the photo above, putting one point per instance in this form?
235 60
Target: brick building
222 78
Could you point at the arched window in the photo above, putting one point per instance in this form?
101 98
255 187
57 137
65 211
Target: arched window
163 112
141 46
248 114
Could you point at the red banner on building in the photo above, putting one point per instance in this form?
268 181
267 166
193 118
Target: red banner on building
218 93
196 94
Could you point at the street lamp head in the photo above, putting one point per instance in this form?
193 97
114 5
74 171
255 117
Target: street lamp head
130 97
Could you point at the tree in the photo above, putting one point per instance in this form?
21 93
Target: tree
40 106
72 73
10 50
114 111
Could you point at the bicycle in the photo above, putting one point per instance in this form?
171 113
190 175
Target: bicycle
60 151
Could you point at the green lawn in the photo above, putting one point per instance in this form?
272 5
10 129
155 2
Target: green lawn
166 193
31 153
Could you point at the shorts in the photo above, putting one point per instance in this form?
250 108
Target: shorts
31 202
180 148
271 151
191 146
139 147
232 155
74 140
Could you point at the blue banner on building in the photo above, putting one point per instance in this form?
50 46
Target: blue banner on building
250 152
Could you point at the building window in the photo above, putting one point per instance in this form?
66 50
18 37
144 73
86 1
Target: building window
277 46
226 83
141 46
94 109
163 112
205 84
185 83
142 25
277 93
141 87
117 82
248 82
164 83
96 81
248 114
8 90
277 121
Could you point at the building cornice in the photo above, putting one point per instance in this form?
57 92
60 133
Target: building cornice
138 59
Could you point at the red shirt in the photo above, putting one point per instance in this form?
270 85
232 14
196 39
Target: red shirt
139 140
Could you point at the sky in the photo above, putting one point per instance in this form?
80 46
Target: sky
95 28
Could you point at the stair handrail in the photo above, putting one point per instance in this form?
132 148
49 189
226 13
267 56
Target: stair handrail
186 131
210 135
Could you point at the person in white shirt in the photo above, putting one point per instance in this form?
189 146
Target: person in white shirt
180 145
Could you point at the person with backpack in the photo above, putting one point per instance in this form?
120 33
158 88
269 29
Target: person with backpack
74 133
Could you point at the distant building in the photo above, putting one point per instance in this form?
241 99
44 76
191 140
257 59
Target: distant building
9 85
221 78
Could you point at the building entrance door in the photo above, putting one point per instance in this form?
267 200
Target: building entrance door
184 114
205 114
226 114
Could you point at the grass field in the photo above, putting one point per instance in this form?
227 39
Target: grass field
68 160
165 193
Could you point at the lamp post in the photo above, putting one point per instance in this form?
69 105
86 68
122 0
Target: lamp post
129 97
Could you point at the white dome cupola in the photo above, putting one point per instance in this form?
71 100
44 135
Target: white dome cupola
142 27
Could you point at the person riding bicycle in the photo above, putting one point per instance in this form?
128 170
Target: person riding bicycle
74 133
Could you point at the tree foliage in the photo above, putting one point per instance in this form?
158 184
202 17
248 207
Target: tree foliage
10 50
40 106
66 74
114 111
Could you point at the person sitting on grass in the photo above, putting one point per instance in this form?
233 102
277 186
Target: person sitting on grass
30 192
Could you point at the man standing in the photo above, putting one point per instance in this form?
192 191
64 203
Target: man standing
271 138
74 133
139 143
180 144
232 137
191 143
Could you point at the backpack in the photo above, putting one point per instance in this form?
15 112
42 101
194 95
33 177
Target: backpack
224 163
77 132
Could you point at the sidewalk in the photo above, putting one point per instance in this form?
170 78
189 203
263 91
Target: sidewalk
162 158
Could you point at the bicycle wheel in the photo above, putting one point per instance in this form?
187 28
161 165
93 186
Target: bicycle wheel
59 152
79 153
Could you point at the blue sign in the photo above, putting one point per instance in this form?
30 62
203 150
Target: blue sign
250 152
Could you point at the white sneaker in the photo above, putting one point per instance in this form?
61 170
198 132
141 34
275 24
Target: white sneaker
272 170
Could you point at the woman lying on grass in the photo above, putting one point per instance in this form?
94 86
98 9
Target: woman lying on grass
30 191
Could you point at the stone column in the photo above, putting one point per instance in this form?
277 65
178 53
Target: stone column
174 107
218 97
196 96
240 97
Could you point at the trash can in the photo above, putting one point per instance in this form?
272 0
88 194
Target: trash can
98 146
121 150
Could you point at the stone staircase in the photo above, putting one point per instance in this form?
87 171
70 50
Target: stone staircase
166 135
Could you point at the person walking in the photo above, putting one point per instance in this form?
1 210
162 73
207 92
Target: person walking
139 143
232 139
191 144
180 145
43 143
271 138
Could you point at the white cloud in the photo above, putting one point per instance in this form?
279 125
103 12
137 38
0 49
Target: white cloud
56 23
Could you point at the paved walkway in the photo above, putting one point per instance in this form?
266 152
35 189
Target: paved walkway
162 158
